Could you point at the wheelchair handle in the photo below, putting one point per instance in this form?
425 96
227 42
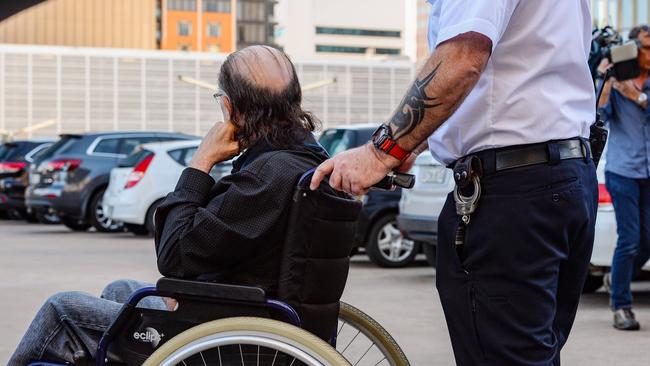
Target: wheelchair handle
390 182
395 179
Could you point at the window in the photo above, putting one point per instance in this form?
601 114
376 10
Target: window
107 146
214 48
184 28
341 49
358 32
337 141
183 47
183 5
216 6
214 29
388 51
129 144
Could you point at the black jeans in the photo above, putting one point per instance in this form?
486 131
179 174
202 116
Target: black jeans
513 298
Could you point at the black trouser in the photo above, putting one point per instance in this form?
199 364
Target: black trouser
513 299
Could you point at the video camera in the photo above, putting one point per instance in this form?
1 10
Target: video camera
607 43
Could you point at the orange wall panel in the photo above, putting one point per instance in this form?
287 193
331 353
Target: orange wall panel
224 41
171 40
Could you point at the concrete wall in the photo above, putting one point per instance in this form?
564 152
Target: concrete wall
298 19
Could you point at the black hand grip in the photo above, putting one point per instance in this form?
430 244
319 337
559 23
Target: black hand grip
393 180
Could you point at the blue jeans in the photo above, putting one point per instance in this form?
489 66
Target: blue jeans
631 199
71 323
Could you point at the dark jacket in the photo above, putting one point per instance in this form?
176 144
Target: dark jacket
233 231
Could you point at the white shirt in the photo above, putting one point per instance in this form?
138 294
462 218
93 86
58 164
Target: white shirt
536 86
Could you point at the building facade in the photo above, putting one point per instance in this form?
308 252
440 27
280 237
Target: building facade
84 23
620 14
92 89
353 29
422 29
198 25
256 23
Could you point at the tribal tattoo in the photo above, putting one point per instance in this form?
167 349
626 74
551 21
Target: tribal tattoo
410 112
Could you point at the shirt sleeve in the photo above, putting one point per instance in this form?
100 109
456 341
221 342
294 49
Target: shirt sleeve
487 17
203 228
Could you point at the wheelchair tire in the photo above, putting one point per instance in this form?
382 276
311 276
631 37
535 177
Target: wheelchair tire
356 318
205 336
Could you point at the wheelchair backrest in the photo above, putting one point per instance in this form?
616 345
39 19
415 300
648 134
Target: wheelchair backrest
316 254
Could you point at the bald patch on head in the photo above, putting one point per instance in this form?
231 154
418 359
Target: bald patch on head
263 66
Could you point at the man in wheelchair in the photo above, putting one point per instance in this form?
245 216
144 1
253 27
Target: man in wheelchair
239 230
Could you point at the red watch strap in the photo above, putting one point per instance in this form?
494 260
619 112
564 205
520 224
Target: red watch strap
391 148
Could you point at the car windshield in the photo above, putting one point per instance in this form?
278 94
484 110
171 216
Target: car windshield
58 147
336 141
5 149
133 159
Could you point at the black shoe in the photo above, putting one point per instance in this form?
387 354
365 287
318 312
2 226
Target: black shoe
624 320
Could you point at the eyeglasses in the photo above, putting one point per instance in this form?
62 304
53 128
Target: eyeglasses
219 97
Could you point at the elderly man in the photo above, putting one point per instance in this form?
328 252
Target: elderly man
231 231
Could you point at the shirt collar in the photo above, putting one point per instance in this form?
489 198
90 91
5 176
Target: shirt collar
262 147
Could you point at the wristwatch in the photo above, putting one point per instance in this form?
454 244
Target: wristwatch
383 140
643 97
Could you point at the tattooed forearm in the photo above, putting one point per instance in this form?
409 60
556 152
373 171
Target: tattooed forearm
411 110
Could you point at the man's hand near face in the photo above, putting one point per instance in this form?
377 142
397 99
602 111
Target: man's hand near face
218 145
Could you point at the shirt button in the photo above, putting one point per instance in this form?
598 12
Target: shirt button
556 197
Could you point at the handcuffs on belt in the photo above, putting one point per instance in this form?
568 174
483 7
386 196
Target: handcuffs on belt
467 171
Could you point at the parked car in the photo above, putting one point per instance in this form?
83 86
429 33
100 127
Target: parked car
71 177
140 182
15 158
377 232
420 207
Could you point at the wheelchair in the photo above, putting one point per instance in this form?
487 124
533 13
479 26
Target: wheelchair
225 324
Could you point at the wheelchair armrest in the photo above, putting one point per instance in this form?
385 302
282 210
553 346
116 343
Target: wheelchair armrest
211 290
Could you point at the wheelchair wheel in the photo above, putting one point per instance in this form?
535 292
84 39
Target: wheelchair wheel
362 341
246 341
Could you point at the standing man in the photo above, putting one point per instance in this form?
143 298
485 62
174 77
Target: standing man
627 176
506 99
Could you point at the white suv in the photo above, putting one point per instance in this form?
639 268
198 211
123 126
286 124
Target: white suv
419 209
140 182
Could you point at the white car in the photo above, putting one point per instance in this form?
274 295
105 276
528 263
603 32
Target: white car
420 207
140 182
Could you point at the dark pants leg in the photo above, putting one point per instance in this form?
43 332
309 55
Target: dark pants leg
631 199
513 299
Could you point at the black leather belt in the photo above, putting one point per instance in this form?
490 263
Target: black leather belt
552 152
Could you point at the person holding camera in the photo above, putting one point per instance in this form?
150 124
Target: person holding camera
624 106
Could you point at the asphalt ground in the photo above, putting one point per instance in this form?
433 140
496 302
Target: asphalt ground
37 261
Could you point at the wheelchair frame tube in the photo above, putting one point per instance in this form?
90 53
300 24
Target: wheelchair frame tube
140 294
127 308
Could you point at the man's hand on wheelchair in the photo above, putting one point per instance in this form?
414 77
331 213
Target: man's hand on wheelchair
356 170
219 144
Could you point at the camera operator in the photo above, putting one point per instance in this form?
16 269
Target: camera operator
624 106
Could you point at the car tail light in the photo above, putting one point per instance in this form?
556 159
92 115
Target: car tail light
12 166
63 165
603 195
138 172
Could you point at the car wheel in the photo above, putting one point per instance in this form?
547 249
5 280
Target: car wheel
592 284
47 218
386 245
139 230
75 224
97 217
430 252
